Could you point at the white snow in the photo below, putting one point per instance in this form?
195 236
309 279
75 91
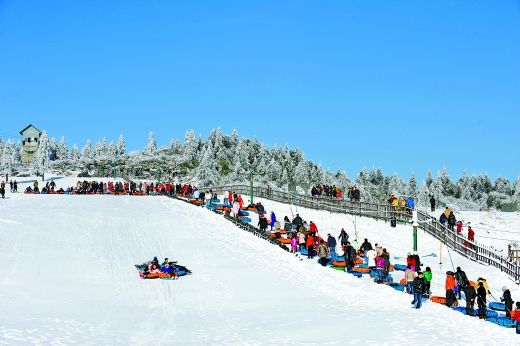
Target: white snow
68 277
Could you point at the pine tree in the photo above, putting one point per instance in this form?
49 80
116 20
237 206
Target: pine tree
395 185
502 185
429 179
53 148
121 147
516 193
62 151
206 172
42 154
74 153
88 151
466 189
444 183
412 186
190 148
151 147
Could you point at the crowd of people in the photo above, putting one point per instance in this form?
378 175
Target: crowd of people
304 237
448 219
331 191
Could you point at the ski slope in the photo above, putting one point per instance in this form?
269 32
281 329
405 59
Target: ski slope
68 277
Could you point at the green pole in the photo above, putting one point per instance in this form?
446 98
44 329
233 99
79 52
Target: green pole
251 189
158 176
414 237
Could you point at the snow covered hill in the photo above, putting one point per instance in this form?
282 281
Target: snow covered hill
68 277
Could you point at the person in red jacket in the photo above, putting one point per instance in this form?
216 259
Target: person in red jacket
410 261
471 236
450 289
310 246
459 226
230 197
313 228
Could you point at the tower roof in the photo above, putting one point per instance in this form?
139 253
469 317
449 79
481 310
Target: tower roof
29 126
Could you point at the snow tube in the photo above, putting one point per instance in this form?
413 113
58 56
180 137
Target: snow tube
489 313
245 219
438 299
362 265
396 286
339 263
244 213
358 260
502 321
473 283
356 274
462 309
403 281
361 270
284 240
338 268
401 267
160 275
305 253
497 306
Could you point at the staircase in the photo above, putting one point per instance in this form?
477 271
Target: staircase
471 250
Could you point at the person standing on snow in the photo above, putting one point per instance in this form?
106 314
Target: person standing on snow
418 290
432 203
508 301
323 252
450 289
470 294
462 280
350 256
366 246
427 280
331 241
273 220
481 300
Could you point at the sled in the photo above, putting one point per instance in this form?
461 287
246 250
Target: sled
403 281
396 286
489 313
356 274
358 260
438 299
401 267
284 240
245 219
497 306
339 263
361 270
502 321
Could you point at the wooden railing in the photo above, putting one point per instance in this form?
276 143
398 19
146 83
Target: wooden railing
471 250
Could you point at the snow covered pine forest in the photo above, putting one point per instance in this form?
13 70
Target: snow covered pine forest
227 159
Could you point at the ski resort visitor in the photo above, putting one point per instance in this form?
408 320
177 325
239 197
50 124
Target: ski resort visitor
273 220
432 203
309 243
331 242
507 300
470 294
323 252
462 281
418 290
350 256
427 274
365 246
409 275
343 238
481 299
450 289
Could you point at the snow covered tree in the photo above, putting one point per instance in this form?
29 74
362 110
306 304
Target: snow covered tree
6 157
206 172
121 147
466 189
42 154
53 148
516 193
395 185
190 148
444 183
88 151
62 151
412 186
151 147
74 153
102 148
502 185
429 179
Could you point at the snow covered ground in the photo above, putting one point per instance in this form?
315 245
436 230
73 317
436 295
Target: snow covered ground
68 277
398 241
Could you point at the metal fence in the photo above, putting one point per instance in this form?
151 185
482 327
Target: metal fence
472 250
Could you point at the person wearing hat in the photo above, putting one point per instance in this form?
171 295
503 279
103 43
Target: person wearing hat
508 301
450 288
418 290
470 294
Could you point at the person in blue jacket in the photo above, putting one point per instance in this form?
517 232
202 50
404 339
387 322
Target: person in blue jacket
443 219
331 241
273 220
410 203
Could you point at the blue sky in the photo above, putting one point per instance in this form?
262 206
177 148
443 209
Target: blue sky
405 86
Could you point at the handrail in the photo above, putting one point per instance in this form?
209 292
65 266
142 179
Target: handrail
469 249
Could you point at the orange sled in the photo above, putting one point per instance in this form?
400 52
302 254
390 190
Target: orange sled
438 300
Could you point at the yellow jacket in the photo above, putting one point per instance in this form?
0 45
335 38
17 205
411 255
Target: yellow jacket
485 284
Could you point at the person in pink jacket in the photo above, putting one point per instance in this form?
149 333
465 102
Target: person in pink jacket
294 244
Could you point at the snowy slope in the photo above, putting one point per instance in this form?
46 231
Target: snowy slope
398 241
68 277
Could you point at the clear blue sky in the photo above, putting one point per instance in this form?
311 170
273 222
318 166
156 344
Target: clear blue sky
401 85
